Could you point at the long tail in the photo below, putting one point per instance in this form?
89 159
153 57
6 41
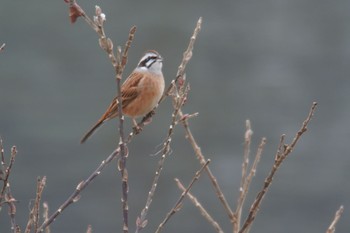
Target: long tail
91 131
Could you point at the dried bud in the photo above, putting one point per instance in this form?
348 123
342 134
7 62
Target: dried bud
77 198
75 12
95 18
125 175
181 80
80 185
120 165
103 43
103 17
144 223
109 44
98 10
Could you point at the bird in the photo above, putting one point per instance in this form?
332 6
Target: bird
140 92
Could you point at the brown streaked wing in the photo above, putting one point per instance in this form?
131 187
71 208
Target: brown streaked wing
129 93
130 89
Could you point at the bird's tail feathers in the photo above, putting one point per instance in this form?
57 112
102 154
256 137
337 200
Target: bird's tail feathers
92 131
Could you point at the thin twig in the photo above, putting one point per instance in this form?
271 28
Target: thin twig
46 216
33 220
180 73
2 153
10 201
247 178
331 228
247 141
2 47
200 207
121 62
178 204
178 103
74 197
188 53
5 194
201 158
279 158
6 184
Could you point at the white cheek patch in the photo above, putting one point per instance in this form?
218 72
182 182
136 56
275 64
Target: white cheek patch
150 62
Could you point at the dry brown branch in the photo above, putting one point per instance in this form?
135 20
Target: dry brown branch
6 196
200 207
178 204
247 142
201 158
46 215
121 62
331 228
33 220
6 171
74 197
246 178
281 155
186 57
2 47
2 154
189 51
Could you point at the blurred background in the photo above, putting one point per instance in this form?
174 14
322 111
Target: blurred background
262 60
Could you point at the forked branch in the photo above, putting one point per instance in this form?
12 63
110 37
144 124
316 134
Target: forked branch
282 153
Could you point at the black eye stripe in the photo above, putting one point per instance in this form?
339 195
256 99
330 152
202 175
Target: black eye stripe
145 61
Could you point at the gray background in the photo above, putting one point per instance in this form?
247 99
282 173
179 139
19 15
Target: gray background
264 60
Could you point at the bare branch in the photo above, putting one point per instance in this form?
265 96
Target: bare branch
5 193
46 215
200 207
74 197
247 179
2 47
201 158
33 220
331 228
178 204
121 62
281 155
6 184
